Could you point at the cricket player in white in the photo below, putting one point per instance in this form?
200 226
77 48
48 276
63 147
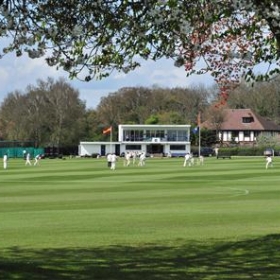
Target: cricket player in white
187 160
268 162
113 161
134 157
5 161
27 160
127 158
37 160
142 159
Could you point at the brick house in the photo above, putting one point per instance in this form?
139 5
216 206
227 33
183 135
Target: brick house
241 126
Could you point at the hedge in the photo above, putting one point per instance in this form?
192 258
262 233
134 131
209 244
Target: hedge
245 151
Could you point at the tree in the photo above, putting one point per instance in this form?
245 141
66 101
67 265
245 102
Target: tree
34 114
65 112
127 105
267 141
189 101
90 39
93 129
263 99
215 117
13 117
152 105
50 114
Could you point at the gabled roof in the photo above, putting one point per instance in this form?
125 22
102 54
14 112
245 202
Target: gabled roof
234 120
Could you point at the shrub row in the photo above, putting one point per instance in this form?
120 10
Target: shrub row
245 151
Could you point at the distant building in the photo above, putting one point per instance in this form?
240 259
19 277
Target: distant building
242 126
151 139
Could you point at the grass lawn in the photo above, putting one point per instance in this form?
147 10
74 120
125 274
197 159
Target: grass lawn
77 219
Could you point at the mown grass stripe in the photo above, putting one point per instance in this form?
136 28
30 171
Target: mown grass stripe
78 194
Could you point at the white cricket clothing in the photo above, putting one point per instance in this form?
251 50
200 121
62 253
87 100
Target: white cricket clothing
5 161
113 161
268 162
187 160
27 161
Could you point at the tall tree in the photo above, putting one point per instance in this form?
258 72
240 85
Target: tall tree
13 117
263 98
162 105
35 115
50 113
93 127
215 117
66 111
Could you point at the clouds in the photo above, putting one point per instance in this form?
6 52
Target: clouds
4 77
162 73
19 72
16 73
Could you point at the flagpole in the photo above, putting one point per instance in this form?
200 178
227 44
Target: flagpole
199 141
111 137
199 135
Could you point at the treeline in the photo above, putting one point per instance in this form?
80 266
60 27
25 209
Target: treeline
49 114
52 114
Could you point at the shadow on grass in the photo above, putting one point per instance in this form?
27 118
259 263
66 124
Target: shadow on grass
251 259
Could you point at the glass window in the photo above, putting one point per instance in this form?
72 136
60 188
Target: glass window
133 135
246 133
177 135
155 133
133 147
247 119
171 135
178 147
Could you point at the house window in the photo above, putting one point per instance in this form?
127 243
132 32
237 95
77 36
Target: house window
246 133
247 119
133 135
133 147
155 133
178 147
177 135
235 134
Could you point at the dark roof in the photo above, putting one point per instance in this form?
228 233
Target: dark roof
233 120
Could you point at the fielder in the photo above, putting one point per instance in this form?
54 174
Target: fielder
27 160
5 161
142 159
36 160
113 161
268 162
127 159
188 160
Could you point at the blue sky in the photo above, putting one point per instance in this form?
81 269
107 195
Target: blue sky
17 73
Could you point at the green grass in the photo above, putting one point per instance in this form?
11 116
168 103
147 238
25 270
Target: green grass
76 219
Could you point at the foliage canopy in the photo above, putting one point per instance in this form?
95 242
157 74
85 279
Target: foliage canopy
90 39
